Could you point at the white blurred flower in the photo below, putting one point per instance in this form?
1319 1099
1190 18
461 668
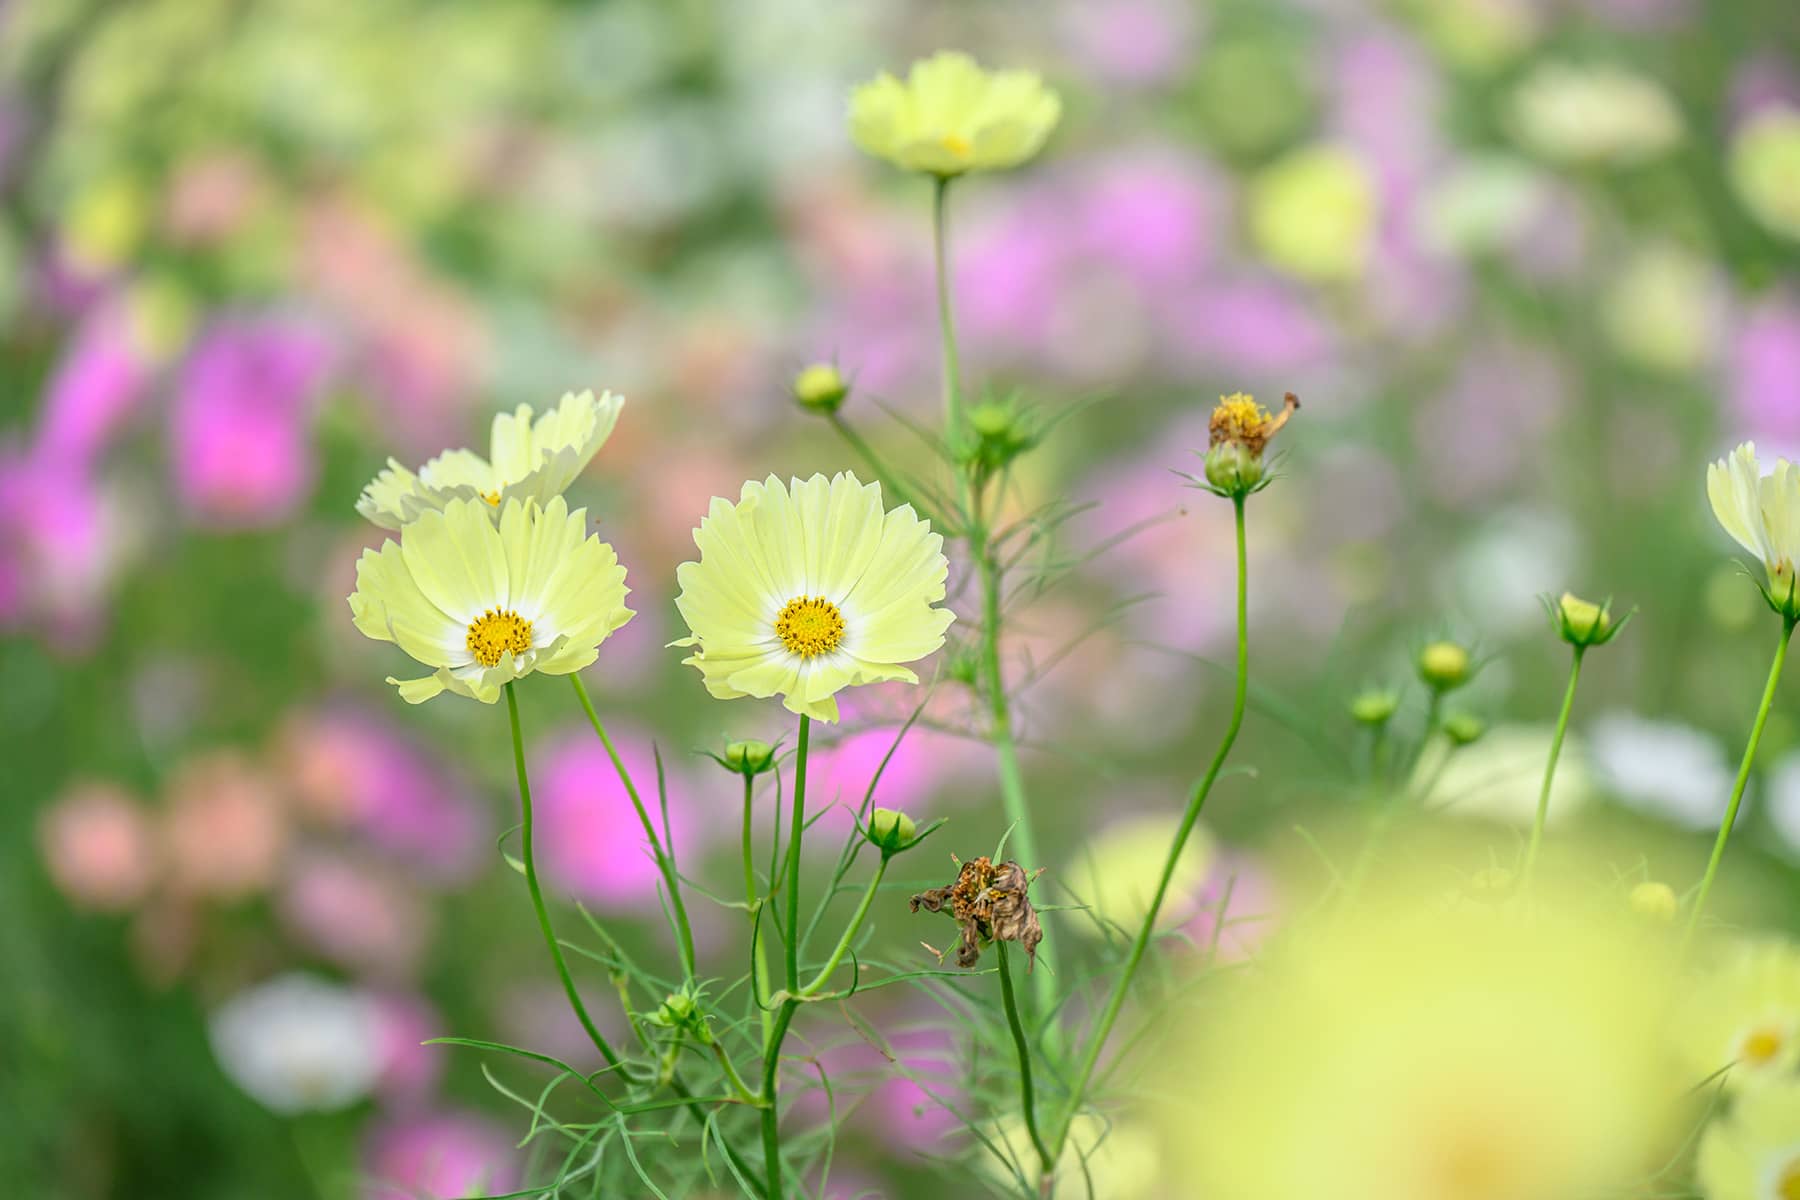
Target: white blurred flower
1498 777
1662 768
1597 113
1482 206
1765 168
1784 799
299 1043
1502 571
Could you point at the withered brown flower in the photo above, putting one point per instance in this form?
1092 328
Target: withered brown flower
989 904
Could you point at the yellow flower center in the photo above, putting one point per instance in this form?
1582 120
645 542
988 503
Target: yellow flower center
1760 1048
1787 1184
1240 421
810 626
495 632
956 144
493 497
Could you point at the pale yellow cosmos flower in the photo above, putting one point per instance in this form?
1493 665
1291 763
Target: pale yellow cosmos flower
1762 512
806 588
485 604
528 459
1742 1011
950 116
1754 1153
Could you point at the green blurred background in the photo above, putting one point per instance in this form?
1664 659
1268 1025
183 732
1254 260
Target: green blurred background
1529 263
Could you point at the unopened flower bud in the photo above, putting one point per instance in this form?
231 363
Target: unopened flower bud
1001 434
1444 666
891 830
679 1011
1232 469
1582 622
1463 728
821 388
747 758
1654 901
1375 706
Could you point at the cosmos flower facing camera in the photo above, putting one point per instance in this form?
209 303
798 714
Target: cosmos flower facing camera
950 116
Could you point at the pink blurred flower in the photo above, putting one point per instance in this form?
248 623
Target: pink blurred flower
61 543
224 828
590 840
1237 908
892 1098
351 768
1765 370
441 1156
410 1070
211 195
1259 331
240 424
1129 41
354 915
98 846
97 386
1482 433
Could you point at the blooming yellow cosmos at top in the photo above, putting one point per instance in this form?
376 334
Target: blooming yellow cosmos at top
950 116
1762 512
528 459
805 588
484 604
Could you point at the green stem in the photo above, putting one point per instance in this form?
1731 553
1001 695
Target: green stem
1743 777
664 861
952 372
896 487
1122 987
771 1113
850 932
759 967
528 854
1556 744
1027 1096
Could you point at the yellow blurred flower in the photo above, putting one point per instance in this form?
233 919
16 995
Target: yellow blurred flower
1742 1011
105 223
806 588
1655 901
1314 212
1407 1053
1662 312
1116 872
1761 512
1754 1153
1765 169
1600 113
528 460
486 605
951 116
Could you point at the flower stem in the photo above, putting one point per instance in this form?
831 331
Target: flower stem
771 1113
528 854
1743 777
1027 1095
1556 744
759 967
952 372
1122 986
664 861
850 932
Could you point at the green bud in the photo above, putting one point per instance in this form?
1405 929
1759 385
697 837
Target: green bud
1582 622
1444 666
1463 728
1001 434
1232 469
890 830
1375 706
747 758
821 388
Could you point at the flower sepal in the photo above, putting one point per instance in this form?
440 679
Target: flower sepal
1582 623
1782 593
747 758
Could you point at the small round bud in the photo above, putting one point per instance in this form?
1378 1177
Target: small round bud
991 421
821 388
891 830
1444 666
1233 469
1001 435
1375 706
748 758
1654 901
1582 622
1464 729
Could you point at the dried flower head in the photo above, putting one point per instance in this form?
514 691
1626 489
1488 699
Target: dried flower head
1237 435
989 904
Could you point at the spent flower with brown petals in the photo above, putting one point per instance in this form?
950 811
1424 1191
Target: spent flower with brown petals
989 904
